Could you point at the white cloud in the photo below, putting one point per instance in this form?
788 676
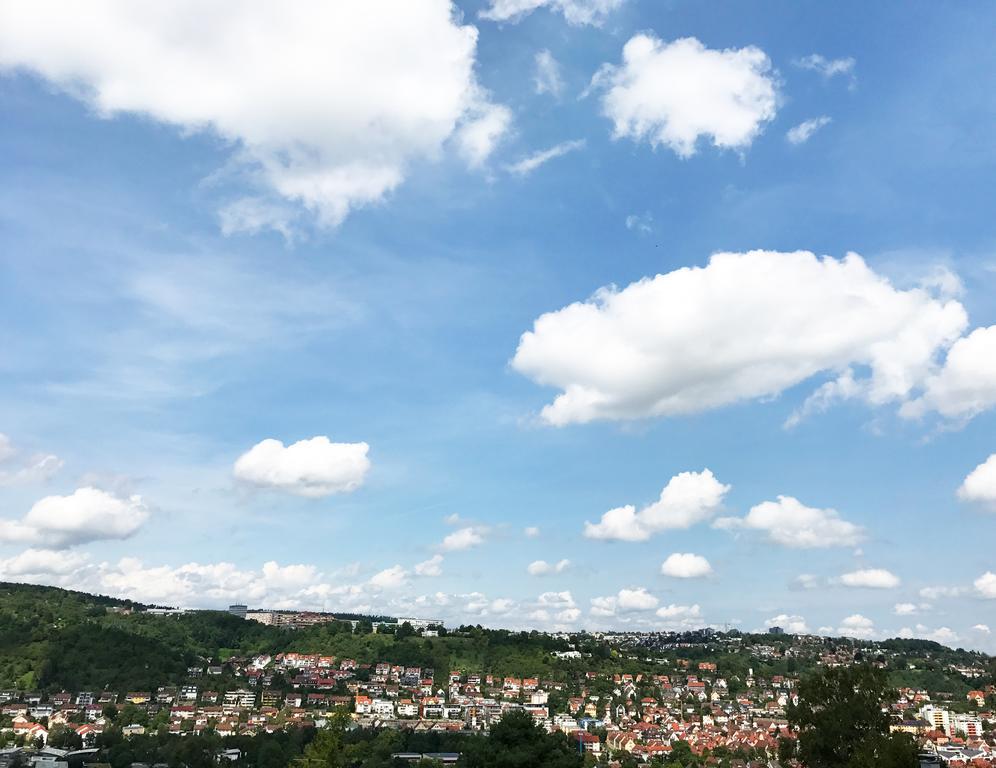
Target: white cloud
16 469
502 605
674 611
390 578
431 567
802 132
792 524
530 163
980 485
252 215
40 562
983 628
687 499
547 78
965 385
556 600
634 600
464 538
576 12
940 593
674 93
326 106
685 565
807 581
746 326
944 635
476 138
88 514
794 625
985 585
905 609
857 626
543 568
870 578
827 67
642 224
531 532
312 468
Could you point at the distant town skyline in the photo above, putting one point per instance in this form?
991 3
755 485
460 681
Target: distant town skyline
554 314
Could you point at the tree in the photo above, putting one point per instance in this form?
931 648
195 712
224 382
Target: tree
403 631
841 722
326 749
63 737
517 742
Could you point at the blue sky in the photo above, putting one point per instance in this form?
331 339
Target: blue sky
332 229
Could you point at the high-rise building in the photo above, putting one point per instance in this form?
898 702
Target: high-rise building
238 610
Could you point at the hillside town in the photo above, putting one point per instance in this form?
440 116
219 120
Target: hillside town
695 706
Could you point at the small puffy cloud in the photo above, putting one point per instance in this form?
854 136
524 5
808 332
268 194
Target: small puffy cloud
289 576
556 600
501 605
941 593
88 514
870 578
746 326
576 12
390 578
531 532
17 469
807 581
547 78
687 499
431 567
331 128
794 625
827 67
857 626
790 523
568 615
965 385
674 611
530 163
905 609
673 94
477 138
463 538
556 606
980 485
985 585
802 132
312 468
982 628
943 635
634 600
543 568
685 565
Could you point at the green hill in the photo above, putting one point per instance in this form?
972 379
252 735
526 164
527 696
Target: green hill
54 639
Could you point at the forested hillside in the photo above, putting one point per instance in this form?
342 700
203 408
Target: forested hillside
53 639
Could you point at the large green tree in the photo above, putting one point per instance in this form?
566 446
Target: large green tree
842 724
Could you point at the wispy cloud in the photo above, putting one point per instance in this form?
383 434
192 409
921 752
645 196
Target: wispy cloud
802 132
530 163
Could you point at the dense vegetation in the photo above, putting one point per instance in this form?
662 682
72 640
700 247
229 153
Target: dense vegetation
516 742
841 722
